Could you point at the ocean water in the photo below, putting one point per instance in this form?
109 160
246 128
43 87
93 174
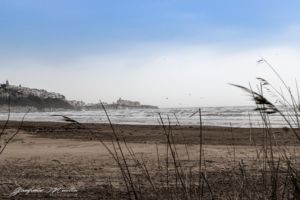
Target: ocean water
211 116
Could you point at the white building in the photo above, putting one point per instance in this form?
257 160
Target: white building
121 102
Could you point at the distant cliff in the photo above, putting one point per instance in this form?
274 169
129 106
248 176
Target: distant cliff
35 98
23 98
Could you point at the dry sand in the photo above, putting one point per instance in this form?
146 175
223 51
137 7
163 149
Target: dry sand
49 155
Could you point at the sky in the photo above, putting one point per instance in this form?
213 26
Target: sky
169 53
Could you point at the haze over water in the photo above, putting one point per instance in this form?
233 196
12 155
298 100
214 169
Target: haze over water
211 116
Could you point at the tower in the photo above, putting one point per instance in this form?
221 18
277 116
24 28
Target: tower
7 83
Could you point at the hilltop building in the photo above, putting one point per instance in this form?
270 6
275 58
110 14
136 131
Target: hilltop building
5 85
121 102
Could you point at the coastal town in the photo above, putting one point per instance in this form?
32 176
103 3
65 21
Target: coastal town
25 91
42 100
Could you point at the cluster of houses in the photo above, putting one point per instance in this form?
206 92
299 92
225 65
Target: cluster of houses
20 91
128 103
119 104
24 91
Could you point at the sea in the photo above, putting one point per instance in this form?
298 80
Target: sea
241 116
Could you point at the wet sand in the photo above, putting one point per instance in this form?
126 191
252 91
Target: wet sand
154 134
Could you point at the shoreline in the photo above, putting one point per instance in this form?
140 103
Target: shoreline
185 134
222 116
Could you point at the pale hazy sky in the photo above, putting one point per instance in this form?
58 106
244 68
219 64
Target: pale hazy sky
162 52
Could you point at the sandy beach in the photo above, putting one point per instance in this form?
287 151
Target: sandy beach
60 155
